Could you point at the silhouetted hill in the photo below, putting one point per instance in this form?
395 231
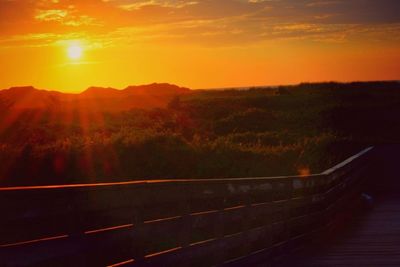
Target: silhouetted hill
94 99
156 89
100 92
29 97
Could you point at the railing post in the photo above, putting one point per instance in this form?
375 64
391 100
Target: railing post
185 231
219 256
246 223
138 251
289 212
76 228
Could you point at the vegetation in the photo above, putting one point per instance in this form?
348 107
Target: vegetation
204 134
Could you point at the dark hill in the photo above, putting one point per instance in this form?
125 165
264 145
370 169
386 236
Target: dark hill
96 99
100 92
156 89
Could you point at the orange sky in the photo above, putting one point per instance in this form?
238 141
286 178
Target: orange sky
198 44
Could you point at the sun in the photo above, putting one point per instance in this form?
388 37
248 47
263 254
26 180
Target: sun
74 51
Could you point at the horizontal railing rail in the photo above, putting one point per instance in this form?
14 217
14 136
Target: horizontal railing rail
171 222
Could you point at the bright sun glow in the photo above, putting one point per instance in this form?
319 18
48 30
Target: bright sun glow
74 52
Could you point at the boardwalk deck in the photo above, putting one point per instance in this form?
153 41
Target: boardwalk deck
371 237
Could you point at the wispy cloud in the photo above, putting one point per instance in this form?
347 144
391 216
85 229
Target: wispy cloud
206 22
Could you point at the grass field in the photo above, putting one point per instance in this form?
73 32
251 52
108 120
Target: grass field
205 134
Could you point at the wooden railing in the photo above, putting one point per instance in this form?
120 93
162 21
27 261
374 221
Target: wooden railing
171 222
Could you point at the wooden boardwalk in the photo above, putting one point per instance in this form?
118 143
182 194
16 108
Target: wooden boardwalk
371 237
215 222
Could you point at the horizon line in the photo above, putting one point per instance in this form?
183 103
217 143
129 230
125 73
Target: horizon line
244 87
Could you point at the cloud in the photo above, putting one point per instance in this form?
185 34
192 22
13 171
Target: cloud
205 22
67 17
137 5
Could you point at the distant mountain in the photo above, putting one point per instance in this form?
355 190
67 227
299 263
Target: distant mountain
100 92
29 97
159 89
154 89
96 99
